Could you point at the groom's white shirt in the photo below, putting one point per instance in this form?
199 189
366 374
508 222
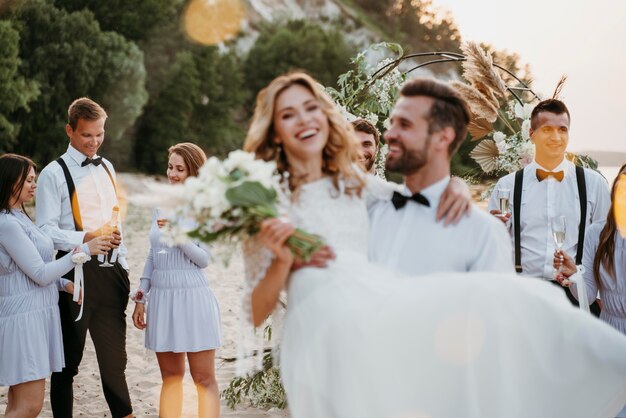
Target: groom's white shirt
411 241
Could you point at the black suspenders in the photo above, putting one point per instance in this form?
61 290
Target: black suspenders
582 196
517 203
72 191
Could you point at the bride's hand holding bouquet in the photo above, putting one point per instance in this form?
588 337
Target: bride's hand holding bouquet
274 234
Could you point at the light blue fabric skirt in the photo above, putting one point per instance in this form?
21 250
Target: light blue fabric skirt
182 313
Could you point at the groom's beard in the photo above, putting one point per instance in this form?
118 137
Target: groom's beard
409 161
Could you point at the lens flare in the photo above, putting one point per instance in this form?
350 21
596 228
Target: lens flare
210 22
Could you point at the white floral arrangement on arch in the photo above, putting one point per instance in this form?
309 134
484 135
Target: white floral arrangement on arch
511 150
370 92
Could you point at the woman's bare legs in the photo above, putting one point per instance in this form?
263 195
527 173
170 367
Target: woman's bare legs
26 399
202 368
172 367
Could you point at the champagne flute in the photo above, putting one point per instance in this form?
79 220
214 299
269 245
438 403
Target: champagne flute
162 218
503 200
115 216
558 225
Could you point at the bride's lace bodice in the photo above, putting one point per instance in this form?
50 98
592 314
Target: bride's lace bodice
341 220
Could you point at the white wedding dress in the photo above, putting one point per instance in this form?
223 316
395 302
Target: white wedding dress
360 341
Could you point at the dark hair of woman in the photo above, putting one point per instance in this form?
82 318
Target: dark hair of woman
13 172
605 253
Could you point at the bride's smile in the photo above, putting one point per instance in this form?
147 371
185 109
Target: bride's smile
300 124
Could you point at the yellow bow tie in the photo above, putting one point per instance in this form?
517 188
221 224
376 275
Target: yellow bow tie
542 175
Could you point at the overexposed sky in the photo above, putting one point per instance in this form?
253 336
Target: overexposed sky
584 39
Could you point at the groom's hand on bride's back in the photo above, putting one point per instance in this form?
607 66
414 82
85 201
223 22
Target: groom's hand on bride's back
319 259
455 202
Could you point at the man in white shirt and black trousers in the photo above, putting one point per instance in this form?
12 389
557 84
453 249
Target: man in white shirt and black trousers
76 198
428 124
549 187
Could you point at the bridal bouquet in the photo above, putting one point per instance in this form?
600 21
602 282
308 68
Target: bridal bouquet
229 199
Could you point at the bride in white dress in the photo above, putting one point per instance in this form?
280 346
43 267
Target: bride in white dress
362 341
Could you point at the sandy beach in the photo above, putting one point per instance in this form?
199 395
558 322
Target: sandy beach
142 373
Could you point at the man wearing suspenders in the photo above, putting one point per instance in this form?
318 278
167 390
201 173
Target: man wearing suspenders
549 187
75 202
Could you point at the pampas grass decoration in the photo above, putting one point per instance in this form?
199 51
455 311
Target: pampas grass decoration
479 128
478 68
479 105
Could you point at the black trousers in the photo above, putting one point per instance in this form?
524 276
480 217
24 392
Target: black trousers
105 298
594 307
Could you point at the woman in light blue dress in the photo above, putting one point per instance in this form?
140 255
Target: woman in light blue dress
182 313
604 262
31 344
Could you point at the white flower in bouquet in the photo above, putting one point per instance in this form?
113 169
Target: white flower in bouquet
239 160
228 201
211 168
264 172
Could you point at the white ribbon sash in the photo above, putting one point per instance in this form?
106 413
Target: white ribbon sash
581 288
78 286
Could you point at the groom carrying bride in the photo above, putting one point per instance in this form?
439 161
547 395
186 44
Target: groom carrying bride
428 124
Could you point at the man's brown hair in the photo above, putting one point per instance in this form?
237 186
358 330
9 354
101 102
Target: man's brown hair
362 125
84 108
550 105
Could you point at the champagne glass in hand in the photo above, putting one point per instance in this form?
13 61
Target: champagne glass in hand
162 216
558 225
503 200
111 226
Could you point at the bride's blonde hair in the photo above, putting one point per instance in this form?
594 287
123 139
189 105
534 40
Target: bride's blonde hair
341 150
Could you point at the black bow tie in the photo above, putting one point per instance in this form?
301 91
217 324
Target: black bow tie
399 200
96 161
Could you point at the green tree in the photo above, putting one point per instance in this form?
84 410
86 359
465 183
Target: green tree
69 57
198 102
221 95
134 19
122 92
166 118
297 44
15 91
422 28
